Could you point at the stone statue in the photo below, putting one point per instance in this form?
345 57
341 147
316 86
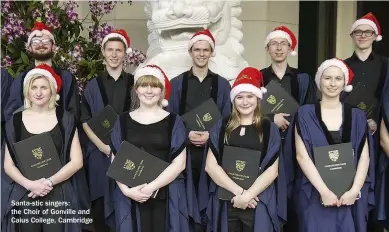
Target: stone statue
171 24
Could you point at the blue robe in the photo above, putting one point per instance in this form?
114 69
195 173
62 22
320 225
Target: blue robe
96 162
312 215
15 192
382 186
270 212
6 81
220 93
69 96
124 212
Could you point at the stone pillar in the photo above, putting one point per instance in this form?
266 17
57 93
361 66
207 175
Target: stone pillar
346 15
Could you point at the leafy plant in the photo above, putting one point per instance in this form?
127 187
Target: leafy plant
75 53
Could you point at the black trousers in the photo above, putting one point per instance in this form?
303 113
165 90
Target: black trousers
153 215
51 223
97 212
292 223
240 220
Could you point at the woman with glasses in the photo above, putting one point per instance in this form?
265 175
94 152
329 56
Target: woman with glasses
262 206
331 122
41 89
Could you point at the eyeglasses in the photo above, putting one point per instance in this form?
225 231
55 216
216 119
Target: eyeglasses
367 33
36 42
276 44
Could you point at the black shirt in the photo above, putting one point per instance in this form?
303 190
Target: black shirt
152 138
249 139
55 135
367 72
198 92
116 92
285 81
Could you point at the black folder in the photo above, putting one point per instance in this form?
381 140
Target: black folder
242 166
102 124
37 157
202 117
133 166
364 99
335 164
277 100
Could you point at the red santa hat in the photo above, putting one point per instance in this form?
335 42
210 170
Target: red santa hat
48 72
205 35
371 20
155 71
40 29
348 73
122 35
285 33
249 80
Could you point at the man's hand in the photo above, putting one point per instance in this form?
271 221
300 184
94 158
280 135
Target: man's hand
198 138
280 121
372 125
106 150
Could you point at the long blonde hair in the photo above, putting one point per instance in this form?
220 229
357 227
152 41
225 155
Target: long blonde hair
234 122
144 81
26 88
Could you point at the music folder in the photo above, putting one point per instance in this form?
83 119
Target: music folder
335 164
277 100
242 166
102 124
203 117
133 166
37 156
364 99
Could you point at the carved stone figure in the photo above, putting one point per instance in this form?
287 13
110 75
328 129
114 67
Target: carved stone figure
171 24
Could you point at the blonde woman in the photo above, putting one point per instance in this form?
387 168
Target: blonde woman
40 88
258 208
163 135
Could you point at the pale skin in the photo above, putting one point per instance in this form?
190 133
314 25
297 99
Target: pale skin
279 49
384 138
332 83
245 103
43 45
200 53
363 49
39 119
114 54
150 112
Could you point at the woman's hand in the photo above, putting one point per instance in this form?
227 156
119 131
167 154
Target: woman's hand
136 194
329 199
39 188
348 198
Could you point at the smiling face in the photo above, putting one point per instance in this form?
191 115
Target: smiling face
41 48
39 92
246 103
200 52
114 53
149 91
278 49
363 36
332 82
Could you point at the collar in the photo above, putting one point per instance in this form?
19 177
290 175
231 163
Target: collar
209 74
107 76
371 57
287 71
48 62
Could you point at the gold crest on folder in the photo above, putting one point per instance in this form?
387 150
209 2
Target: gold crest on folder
129 165
38 153
240 164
